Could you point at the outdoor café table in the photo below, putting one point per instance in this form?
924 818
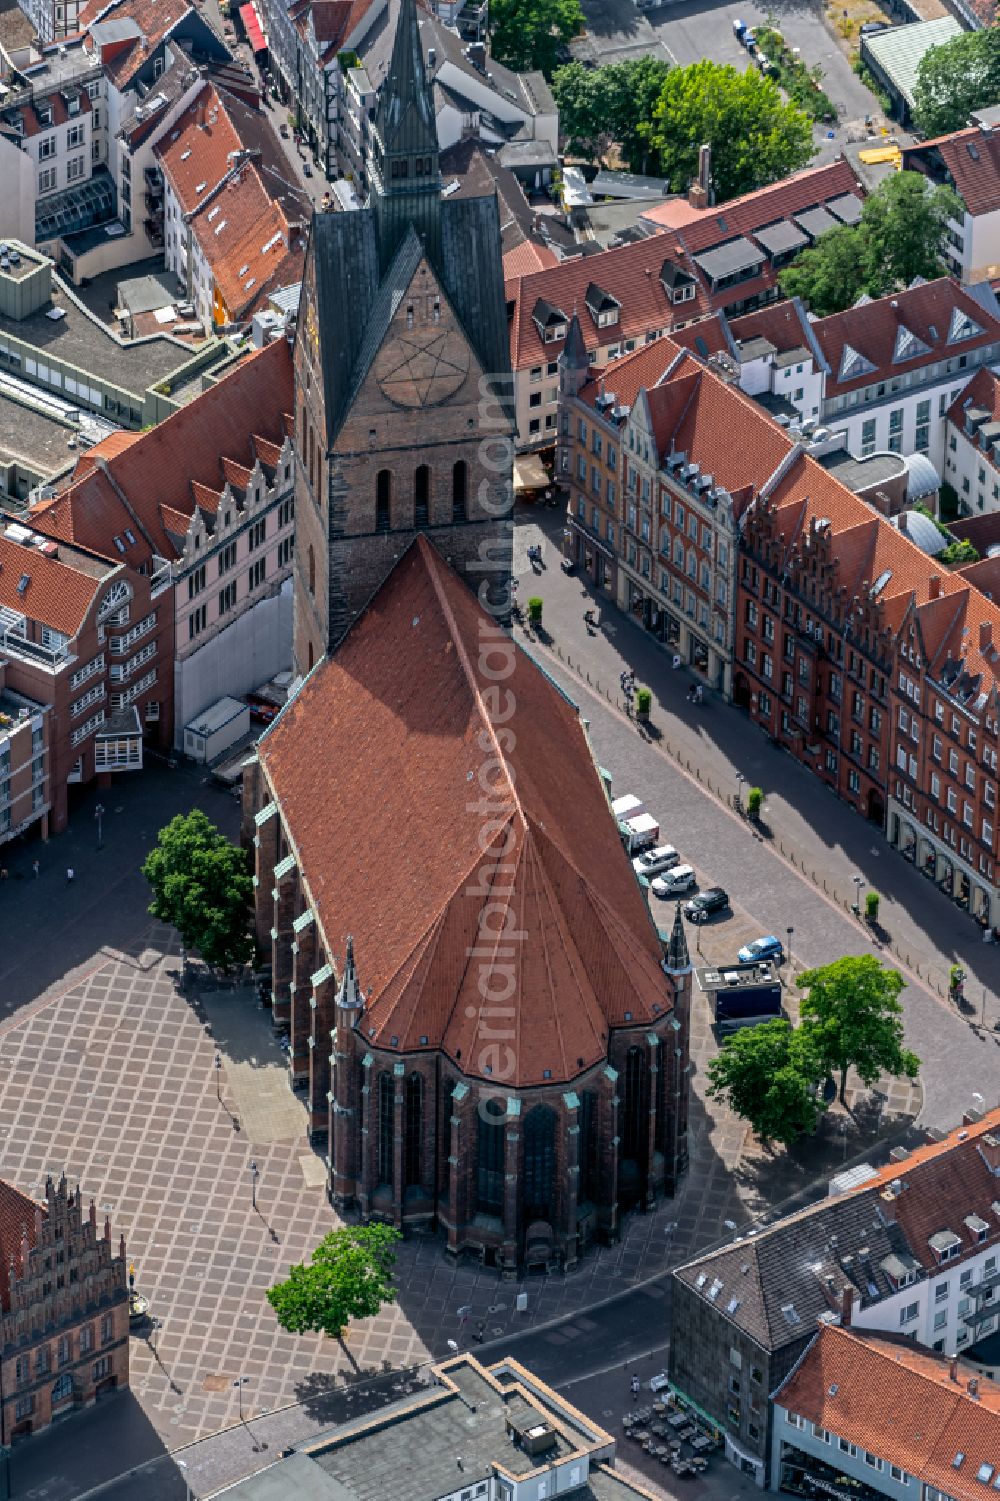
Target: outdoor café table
698 1444
679 1420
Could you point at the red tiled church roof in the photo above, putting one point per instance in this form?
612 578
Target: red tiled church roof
381 764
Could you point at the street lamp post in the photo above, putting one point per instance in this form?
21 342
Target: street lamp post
218 1076
240 1383
788 954
859 881
254 1175
99 815
740 779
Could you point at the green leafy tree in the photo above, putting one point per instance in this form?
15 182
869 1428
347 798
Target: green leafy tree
901 235
581 96
904 227
769 1075
349 1276
956 78
852 1016
830 275
527 34
632 89
202 886
755 136
959 552
615 103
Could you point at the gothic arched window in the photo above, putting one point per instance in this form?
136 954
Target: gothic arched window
459 490
421 495
489 1156
589 1173
539 1162
383 492
634 1121
386 1127
413 1140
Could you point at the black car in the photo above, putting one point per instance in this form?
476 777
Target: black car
701 907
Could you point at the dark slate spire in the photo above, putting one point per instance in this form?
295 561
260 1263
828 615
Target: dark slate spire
574 354
403 166
678 960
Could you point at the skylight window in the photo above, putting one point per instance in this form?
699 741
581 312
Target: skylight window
201 186
129 536
791 1317
732 1305
251 283
715 1289
243 269
834 1389
985 1473
212 213
700 1280
220 226
958 1461
119 544
23 582
185 154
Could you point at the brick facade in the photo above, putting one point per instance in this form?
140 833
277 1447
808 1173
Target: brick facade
65 1321
347 538
403 1129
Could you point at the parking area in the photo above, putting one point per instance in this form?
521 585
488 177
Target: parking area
687 32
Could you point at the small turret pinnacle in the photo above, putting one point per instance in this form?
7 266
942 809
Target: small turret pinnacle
678 960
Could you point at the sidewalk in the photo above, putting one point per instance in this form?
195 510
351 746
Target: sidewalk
826 841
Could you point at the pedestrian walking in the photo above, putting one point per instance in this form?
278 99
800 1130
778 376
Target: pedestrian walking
35 869
634 1384
70 873
4 873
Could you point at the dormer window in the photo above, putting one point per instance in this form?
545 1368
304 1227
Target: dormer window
684 293
550 321
945 1245
978 1228
603 308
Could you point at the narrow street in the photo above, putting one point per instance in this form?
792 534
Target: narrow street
801 877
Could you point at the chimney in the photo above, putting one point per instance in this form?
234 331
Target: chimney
887 1206
953 1369
934 586
697 197
705 169
903 524
970 1117
985 634
989 1151
974 1388
846 1306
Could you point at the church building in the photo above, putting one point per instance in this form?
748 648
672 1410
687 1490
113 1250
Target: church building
404 408
491 1037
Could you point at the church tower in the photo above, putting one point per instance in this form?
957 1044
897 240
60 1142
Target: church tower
404 396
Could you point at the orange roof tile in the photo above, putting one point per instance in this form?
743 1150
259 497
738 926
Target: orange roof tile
395 728
899 1402
527 257
56 594
972 158
177 464
248 243
630 274
18 1215
701 227
878 329
195 154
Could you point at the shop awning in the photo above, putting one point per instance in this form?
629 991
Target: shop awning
252 27
529 473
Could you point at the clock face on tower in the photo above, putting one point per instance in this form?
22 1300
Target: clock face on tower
422 367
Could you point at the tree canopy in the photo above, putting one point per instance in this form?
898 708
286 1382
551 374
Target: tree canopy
349 1276
202 886
755 136
956 78
527 34
853 1017
770 1074
901 235
615 103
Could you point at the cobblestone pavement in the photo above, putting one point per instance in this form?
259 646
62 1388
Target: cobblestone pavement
114 1081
